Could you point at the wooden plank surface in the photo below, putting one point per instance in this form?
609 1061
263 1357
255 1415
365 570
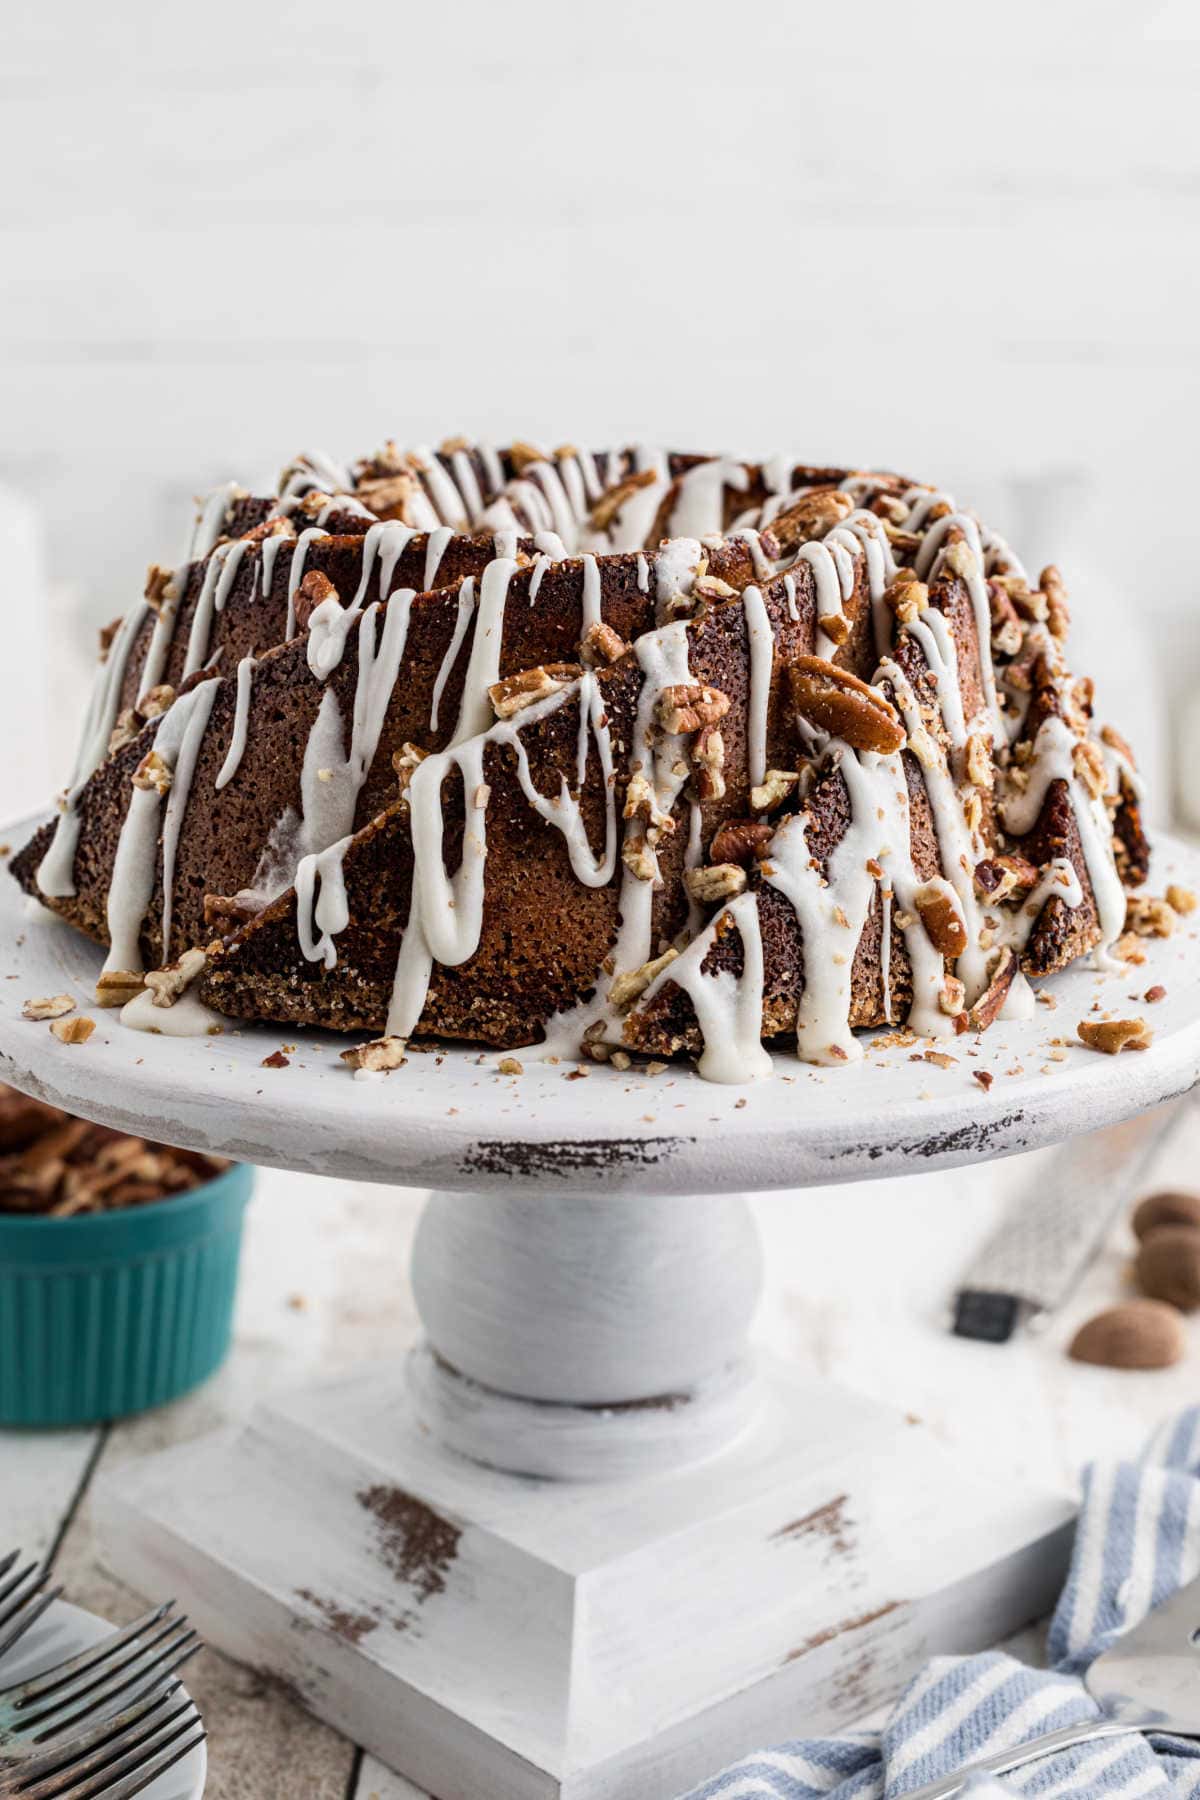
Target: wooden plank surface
858 1280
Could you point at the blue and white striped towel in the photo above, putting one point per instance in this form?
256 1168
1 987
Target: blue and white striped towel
1138 1540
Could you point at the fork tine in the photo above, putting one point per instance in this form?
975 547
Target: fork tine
135 1783
18 1580
156 1752
76 1775
130 1656
27 1619
6 1562
55 1756
64 1673
128 1686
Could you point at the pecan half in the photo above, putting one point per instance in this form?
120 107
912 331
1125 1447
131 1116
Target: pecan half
1002 974
999 876
740 840
715 881
516 692
942 918
837 702
314 590
114 987
688 706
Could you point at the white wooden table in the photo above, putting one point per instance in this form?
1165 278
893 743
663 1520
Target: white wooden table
858 1280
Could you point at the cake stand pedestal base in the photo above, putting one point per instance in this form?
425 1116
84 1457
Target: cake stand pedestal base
683 1556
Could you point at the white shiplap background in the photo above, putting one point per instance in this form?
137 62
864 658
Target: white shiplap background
957 238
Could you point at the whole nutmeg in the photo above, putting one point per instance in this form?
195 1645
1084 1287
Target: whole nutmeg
1139 1334
1168 1208
1168 1266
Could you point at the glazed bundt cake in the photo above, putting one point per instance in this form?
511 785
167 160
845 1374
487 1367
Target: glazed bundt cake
629 752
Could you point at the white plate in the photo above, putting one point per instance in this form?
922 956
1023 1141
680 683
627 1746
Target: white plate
449 1119
63 1632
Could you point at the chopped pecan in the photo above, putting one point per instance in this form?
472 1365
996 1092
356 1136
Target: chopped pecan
156 701
314 591
708 757
625 989
73 1031
158 580
1088 761
406 761
226 913
637 854
614 498
377 1056
740 840
907 597
1058 613
114 987
837 702
54 1007
152 772
1147 916
522 456
601 644
1007 635
715 881
777 784
389 496
515 692
1001 975
688 706
711 587
953 996
942 918
167 984
1111 1036
959 558
981 769
124 731
999 876
1181 900
811 515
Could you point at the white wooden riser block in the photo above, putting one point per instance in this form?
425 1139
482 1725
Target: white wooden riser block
585 1640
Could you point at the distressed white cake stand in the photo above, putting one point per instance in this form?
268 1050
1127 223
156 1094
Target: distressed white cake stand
584 1544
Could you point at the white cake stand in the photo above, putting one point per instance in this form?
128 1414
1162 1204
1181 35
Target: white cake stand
585 1544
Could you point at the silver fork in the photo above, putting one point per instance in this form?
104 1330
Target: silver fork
77 1703
113 1761
24 1597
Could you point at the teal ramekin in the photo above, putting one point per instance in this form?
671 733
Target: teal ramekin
112 1313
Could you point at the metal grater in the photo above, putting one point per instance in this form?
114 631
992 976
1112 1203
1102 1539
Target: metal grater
1055 1227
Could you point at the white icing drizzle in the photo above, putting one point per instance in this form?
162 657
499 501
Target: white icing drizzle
789 588
241 722
160 638
1053 760
219 574
446 913
443 494
932 632
483 669
56 871
643 574
322 874
864 530
270 548
827 580
210 520
762 658
296 574
699 506
131 886
330 623
466 609
434 552
314 470
728 1007
764 568
674 572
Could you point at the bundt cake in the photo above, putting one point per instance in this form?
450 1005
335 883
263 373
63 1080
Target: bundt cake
636 752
